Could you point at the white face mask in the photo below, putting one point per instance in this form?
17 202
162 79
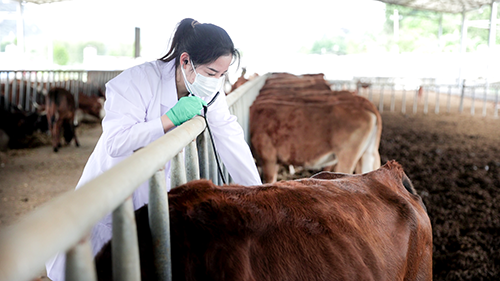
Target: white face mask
203 86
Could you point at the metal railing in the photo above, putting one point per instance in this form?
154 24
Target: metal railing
24 88
63 225
425 95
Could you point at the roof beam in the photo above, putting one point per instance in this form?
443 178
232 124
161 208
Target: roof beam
444 6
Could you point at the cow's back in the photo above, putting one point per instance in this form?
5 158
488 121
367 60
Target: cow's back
303 129
363 227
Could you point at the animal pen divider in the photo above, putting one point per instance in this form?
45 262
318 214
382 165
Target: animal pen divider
425 95
22 88
63 225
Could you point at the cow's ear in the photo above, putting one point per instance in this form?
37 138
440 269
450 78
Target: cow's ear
328 175
408 184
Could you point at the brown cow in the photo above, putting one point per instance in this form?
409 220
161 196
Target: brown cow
61 114
242 80
333 226
315 130
91 105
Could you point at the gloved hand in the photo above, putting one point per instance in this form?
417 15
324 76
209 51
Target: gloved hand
185 109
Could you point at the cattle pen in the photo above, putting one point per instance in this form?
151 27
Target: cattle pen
25 248
26 89
41 234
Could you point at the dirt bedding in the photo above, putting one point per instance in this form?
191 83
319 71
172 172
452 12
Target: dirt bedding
453 161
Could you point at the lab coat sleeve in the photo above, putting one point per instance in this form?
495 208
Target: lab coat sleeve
230 143
125 128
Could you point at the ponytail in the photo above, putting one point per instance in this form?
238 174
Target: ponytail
204 42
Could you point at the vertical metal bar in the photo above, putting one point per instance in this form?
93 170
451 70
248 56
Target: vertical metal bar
381 99
202 144
177 170
192 162
7 93
403 107
393 97
20 103
159 224
35 88
463 37
436 109
472 107
124 245
137 49
493 26
212 165
486 90
27 102
67 80
461 106
370 94
14 99
415 101
448 106
80 262
426 100
226 175
495 114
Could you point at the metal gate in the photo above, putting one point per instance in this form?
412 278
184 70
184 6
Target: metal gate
63 224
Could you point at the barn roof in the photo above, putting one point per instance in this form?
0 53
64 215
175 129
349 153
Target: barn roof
446 6
42 1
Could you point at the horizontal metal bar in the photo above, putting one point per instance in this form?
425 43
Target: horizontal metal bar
58 225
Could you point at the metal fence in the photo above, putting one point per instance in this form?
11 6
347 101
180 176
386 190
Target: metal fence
425 95
63 224
26 88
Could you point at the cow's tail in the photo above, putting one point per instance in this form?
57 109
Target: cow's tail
379 133
371 155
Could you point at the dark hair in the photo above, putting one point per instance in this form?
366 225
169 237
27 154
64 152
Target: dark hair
204 42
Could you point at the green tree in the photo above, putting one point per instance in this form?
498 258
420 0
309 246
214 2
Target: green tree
61 55
334 45
418 29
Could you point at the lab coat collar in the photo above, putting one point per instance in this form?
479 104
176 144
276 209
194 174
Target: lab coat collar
168 89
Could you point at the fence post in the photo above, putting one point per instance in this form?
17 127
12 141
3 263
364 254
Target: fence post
177 170
486 92
159 224
437 91
21 103
124 245
6 94
461 106
403 106
212 164
80 262
473 107
202 144
381 100
415 101
14 90
192 162
495 114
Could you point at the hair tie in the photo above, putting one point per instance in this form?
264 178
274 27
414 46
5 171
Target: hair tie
194 23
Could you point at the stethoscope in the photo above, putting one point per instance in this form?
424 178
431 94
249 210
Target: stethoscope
204 115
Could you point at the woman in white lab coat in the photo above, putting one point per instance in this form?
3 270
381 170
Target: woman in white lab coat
146 101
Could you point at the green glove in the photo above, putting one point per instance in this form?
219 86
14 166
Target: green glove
185 109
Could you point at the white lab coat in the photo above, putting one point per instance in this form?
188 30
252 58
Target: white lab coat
135 101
